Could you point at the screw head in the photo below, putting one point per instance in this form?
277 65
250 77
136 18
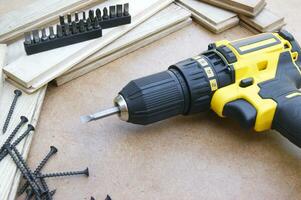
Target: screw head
86 172
31 127
53 149
18 92
24 119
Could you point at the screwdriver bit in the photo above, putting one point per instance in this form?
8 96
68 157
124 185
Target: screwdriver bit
89 24
112 11
98 14
59 31
76 16
126 9
119 10
74 28
27 38
62 20
44 35
69 18
84 16
82 25
67 29
51 33
91 15
36 36
105 14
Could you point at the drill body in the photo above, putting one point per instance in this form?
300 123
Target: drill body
253 80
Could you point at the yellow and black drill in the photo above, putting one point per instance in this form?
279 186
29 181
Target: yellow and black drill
253 80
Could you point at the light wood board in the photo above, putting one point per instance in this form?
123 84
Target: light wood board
94 65
3 58
32 72
213 18
246 7
265 21
164 19
36 14
29 106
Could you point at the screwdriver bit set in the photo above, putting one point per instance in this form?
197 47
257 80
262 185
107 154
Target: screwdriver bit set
76 29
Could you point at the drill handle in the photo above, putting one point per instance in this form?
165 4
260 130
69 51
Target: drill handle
287 119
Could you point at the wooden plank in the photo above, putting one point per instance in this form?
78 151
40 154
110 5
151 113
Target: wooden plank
160 21
3 56
266 21
13 24
213 18
246 7
29 106
94 65
37 70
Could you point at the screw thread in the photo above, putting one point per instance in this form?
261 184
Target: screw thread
10 113
58 174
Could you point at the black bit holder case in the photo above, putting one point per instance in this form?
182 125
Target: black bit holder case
77 30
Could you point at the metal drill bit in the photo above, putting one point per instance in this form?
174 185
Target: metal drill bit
17 93
99 115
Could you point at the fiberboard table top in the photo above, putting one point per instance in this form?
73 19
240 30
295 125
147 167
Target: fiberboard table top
196 157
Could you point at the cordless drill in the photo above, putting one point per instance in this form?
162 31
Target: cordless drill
253 80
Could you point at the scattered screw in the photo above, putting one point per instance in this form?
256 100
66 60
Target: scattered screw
11 110
29 172
53 150
108 198
15 131
45 187
17 141
52 175
24 172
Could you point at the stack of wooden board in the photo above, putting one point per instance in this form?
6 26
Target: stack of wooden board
161 24
252 13
211 17
27 105
265 21
249 8
33 72
37 14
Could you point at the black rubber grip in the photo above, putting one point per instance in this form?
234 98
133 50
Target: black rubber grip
154 98
287 120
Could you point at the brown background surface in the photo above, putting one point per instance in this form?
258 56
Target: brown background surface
195 157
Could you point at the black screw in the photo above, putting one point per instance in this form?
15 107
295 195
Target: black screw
23 171
53 150
11 110
108 198
45 187
17 141
15 131
51 175
29 172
